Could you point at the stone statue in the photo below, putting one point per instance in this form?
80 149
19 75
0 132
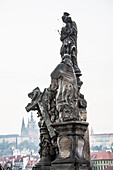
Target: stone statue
62 110
66 96
69 39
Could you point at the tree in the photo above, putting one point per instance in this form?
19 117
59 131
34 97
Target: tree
28 145
6 148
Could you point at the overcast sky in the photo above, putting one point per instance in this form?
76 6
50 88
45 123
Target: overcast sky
29 51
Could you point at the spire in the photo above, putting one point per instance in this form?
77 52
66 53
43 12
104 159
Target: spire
92 131
24 129
32 120
28 124
16 143
23 124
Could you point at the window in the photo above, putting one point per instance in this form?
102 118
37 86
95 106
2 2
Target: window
93 168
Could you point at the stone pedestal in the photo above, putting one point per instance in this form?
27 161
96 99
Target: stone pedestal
44 164
71 146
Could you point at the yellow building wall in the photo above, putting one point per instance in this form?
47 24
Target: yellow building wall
101 164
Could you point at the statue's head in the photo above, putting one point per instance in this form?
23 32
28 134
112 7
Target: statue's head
67 59
66 18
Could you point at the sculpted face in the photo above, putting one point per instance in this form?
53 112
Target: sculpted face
66 18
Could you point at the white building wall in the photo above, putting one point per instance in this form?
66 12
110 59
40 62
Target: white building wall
104 140
13 139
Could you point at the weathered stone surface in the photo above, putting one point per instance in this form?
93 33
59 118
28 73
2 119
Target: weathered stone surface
65 144
65 166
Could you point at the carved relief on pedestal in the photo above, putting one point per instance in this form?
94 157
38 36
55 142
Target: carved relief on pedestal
65 147
80 148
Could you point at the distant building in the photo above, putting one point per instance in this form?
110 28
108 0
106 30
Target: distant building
29 133
105 140
8 138
16 152
20 163
31 130
101 160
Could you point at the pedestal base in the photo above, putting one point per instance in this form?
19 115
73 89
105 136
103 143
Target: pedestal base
68 167
41 167
71 146
69 164
62 167
44 164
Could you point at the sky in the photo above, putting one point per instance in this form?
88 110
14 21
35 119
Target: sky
30 50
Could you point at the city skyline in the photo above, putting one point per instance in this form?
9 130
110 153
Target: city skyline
30 50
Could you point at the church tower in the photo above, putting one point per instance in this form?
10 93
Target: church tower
33 129
92 131
24 131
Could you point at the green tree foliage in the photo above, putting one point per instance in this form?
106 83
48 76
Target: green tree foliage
6 148
28 145
99 148
112 146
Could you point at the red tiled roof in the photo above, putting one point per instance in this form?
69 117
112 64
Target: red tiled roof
109 168
19 157
12 157
16 160
31 163
101 155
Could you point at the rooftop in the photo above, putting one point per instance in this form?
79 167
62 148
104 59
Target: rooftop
104 134
31 163
9 136
102 155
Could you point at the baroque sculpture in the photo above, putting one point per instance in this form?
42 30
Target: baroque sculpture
64 142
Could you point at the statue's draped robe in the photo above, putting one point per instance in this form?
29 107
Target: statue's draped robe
67 88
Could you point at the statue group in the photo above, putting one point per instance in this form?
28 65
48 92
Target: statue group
64 138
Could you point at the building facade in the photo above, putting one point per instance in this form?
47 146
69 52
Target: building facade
31 130
28 133
104 140
101 160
